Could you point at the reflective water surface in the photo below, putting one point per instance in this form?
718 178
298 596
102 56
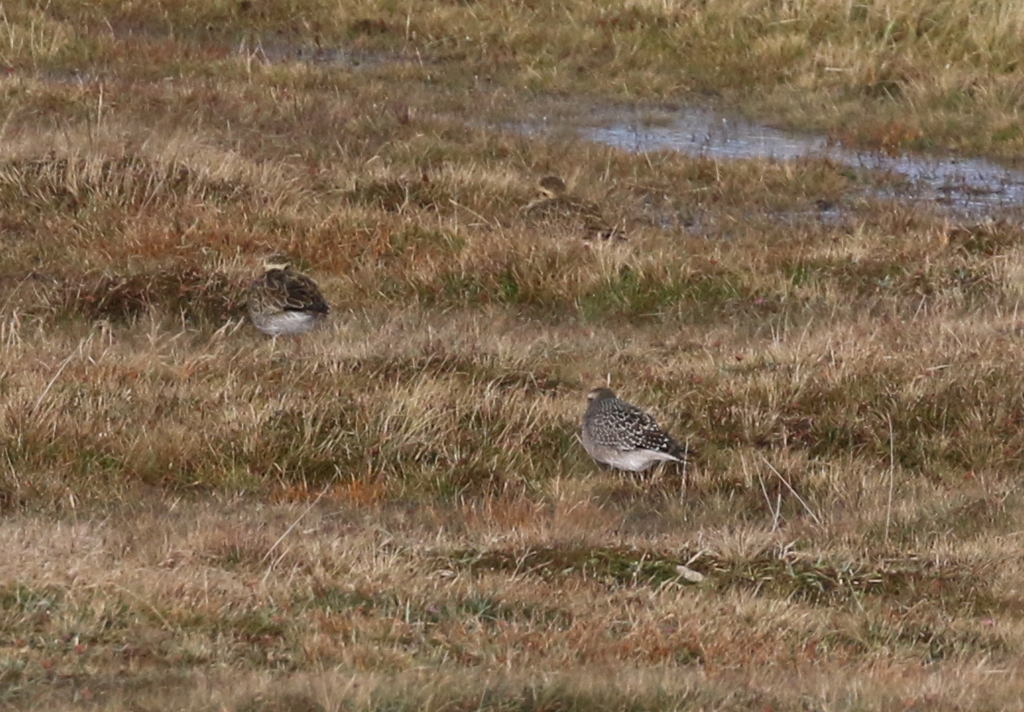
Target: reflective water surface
964 185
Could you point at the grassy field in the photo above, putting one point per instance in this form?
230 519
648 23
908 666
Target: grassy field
396 514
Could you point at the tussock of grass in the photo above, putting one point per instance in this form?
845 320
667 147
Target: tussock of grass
393 196
131 181
988 238
187 291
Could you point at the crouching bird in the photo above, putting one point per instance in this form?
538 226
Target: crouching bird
555 202
283 302
624 437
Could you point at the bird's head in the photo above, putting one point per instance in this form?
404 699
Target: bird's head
278 261
552 186
600 394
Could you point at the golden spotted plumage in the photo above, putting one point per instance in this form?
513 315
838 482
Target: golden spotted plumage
556 203
620 435
283 302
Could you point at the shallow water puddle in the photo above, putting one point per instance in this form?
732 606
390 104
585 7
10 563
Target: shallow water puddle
966 186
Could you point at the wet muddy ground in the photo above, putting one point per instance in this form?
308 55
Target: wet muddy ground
964 187
970 188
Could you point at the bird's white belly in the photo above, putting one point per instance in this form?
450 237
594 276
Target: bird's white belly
632 460
288 323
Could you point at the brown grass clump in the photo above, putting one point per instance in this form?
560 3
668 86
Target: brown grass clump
395 513
185 290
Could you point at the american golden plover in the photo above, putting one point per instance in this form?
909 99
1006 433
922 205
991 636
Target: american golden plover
552 187
283 302
555 202
622 436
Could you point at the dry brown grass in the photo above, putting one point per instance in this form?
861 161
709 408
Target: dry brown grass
894 74
396 514
539 606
